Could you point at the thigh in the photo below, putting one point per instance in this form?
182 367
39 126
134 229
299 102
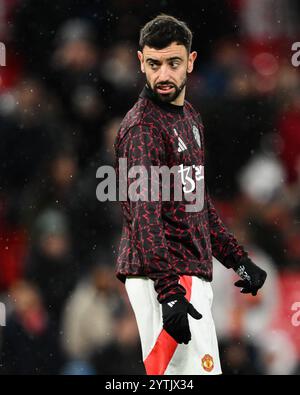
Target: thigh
147 310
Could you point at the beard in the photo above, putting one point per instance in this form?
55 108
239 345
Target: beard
167 97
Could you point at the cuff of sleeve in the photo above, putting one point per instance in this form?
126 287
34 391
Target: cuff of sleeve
172 297
177 291
234 261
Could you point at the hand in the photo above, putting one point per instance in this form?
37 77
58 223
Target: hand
175 318
252 276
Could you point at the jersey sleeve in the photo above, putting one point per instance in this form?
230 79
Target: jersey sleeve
144 148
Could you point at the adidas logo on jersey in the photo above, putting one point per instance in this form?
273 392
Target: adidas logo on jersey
181 144
171 304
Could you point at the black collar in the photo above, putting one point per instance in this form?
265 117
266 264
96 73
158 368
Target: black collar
146 92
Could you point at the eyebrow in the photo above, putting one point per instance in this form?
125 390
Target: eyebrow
169 59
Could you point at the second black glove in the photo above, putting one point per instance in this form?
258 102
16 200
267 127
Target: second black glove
175 318
252 276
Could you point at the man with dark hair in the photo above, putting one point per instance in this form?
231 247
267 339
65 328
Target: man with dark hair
166 249
163 30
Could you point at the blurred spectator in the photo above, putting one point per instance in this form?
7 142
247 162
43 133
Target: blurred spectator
76 79
64 188
50 265
268 19
228 62
88 320
29 343
263 178
57 189
28 138
278 353
121 70
123 354
240 357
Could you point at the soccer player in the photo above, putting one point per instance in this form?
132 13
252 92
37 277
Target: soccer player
166 249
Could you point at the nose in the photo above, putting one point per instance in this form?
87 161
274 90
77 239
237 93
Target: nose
163 73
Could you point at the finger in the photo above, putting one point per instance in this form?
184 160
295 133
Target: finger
246 291
193 312
241 283
184 330
186 338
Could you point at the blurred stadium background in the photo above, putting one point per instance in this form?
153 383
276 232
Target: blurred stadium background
71 75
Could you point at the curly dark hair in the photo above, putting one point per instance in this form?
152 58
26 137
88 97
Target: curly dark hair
163 30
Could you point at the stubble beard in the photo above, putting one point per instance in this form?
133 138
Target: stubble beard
168 97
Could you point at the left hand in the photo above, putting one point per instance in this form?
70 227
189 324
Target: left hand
252 276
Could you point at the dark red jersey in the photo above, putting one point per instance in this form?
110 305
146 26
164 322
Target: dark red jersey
161 239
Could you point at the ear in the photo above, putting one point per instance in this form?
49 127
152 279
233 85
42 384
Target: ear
191 60
141 58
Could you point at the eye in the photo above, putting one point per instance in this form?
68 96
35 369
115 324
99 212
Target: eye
153 66
174 64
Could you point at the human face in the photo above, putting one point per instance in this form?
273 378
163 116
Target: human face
166 71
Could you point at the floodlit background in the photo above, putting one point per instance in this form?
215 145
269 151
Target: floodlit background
71 74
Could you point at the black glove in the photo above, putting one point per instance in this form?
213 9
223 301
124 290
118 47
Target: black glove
175 318
253 277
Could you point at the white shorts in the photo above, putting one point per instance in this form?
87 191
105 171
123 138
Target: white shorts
162 355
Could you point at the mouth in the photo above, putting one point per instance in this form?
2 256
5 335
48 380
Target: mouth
164 89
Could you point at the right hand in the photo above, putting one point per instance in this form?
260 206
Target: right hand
175 318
